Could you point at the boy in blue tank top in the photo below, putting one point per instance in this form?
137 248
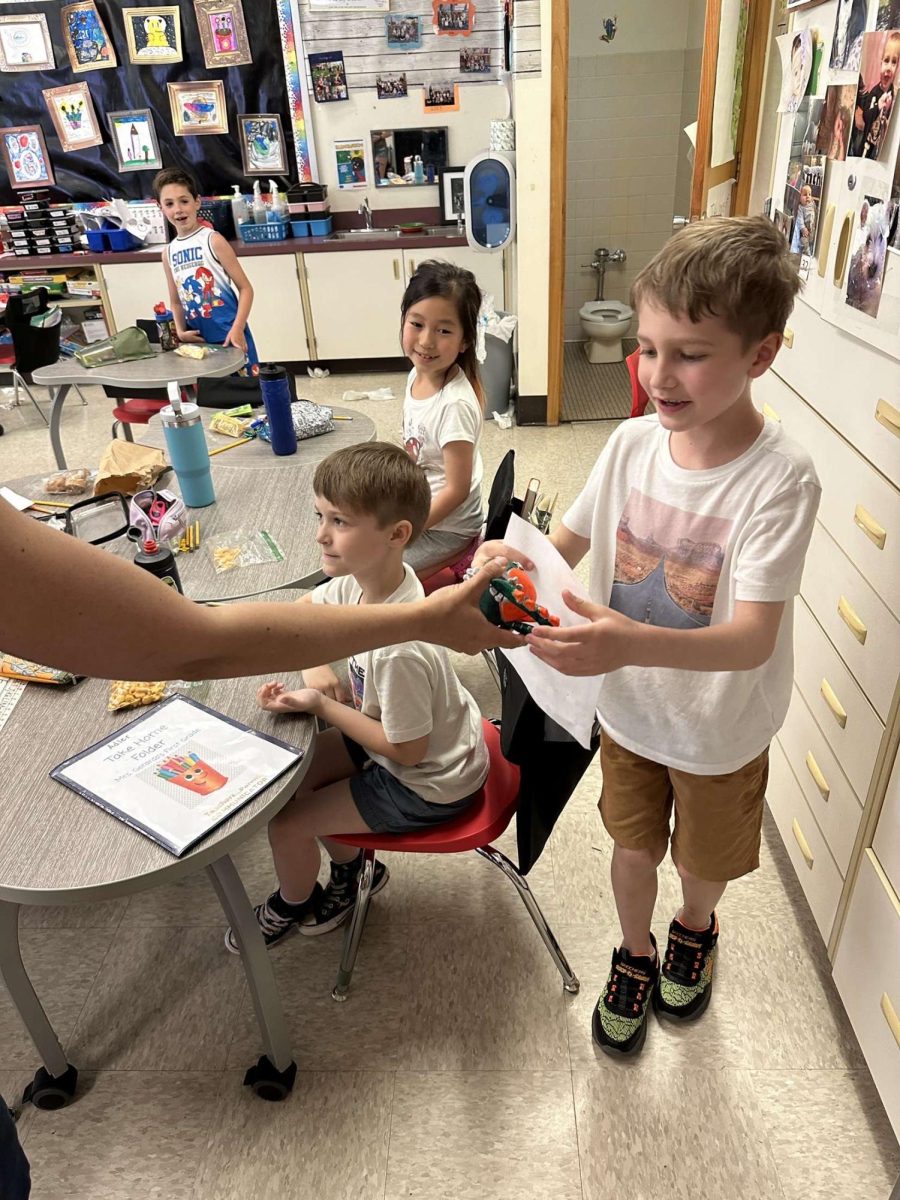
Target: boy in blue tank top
209 294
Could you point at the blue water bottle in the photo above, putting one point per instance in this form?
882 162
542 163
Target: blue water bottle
188 452
277 399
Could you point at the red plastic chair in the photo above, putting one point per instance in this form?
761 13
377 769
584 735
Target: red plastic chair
453 572
639 398
487 818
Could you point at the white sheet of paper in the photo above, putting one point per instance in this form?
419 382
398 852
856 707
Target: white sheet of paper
13 498
570 700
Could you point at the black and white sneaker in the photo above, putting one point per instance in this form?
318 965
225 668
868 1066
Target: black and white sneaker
277 918
335 902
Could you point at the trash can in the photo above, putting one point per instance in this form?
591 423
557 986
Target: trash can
497 372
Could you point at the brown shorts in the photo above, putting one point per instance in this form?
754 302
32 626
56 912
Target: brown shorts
718 818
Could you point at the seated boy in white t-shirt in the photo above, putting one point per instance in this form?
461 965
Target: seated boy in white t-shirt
697 519
408 751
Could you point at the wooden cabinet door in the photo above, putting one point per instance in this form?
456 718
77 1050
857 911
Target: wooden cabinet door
276 319
355 301
487 268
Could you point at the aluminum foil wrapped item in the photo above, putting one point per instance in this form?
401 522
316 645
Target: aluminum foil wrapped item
310 420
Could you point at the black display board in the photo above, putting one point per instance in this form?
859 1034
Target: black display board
92 174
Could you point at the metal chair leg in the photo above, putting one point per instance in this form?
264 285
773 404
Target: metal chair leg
114 432
77 390
31 397
569 978
355 927
126 429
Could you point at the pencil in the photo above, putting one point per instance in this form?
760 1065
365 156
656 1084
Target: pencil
50 504
196 535
238 442
337 418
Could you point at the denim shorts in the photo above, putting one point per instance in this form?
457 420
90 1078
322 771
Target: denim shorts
389 806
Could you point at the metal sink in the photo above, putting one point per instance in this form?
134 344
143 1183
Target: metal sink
356 235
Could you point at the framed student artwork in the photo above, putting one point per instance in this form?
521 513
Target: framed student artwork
223 34
72 113
451 194
153 35
25 43
262 144
134 139
86 39
25 156
198 107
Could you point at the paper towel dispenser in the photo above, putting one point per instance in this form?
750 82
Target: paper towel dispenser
489 186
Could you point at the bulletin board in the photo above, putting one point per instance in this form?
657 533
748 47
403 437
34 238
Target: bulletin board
91 173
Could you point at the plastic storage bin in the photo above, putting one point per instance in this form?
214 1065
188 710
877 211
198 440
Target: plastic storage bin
496 373
321 227
121 239
300 228
272 231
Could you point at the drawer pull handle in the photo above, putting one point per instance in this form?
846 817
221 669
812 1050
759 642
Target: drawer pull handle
802 843
396 268
837 709
890 1015
843 249
888 416
788 338
870 527
852 621
818 778
825 239
770 412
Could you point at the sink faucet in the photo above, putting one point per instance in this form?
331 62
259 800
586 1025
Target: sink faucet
366 212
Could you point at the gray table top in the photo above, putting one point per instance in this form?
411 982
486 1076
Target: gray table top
258 455
56 847
163 368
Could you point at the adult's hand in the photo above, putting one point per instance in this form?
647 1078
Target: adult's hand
453 618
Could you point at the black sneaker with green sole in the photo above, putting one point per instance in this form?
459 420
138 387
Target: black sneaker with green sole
619 1024
684 987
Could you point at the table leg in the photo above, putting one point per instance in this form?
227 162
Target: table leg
23 995
266 1001
59 397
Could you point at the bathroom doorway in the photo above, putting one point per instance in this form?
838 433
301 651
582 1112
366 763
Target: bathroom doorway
635 94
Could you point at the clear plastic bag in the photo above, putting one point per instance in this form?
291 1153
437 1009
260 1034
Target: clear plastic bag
131 693
243 548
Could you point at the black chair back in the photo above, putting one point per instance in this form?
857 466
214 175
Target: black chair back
502 500
34 347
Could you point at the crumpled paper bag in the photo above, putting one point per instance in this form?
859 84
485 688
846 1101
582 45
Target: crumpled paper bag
127 467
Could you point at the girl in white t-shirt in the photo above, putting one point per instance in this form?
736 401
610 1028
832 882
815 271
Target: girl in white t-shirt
442 413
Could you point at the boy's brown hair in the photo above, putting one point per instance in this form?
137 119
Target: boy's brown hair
736 268
176 175
375 479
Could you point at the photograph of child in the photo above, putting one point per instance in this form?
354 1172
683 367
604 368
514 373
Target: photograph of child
475 60
454 17
390 86
888 14
797 58
441 97
807 119
868 254
837 119
846 42
806 215
402 32
877 94
328 76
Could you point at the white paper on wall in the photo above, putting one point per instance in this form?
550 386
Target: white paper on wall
569 700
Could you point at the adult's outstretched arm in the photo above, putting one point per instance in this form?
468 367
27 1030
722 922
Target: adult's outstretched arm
68 604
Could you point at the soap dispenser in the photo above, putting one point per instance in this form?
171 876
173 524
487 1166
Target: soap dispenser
239 209
258 208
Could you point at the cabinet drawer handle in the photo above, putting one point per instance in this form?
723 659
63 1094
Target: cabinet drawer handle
825 239
843 249
890 1015
396 268
770 412
852 621
838 710
788 338
870 527
888 416
818 778
802 843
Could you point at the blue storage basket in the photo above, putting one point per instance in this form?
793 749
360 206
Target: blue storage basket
272 231
321 227
300 228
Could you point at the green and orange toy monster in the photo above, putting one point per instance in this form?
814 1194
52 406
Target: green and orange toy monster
510 601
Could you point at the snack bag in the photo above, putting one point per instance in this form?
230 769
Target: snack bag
128 693
67 483
12 667
242 549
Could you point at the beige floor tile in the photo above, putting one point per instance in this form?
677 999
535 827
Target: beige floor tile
503 1135
829 1133
129 1136
328 1140
165 1000
62 965
684 1135
484 997
367 1030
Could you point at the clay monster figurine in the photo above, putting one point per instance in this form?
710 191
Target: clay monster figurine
510 601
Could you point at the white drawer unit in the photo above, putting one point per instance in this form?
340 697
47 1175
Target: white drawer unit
863 630
851 726
859 508
867 974
831 799
887 833
816 869
854 386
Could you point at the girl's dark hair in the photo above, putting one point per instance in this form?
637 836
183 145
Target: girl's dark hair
436 278
176 175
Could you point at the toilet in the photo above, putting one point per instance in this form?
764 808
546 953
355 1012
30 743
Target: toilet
605 322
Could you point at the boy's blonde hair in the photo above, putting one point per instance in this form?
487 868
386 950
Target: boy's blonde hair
375 479
736 268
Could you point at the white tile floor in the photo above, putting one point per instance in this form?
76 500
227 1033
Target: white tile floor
458 1068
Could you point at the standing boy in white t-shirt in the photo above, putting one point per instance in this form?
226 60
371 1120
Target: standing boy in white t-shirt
407 751
697 519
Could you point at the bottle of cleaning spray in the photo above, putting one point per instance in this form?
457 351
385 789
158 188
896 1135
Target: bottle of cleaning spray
279 210
239 208
259 208
418 169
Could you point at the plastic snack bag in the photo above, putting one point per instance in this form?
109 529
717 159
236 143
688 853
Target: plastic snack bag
12 667
240 548
129 693
67 483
